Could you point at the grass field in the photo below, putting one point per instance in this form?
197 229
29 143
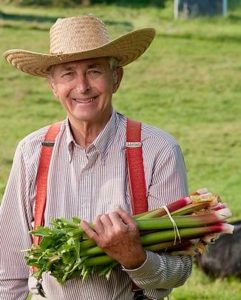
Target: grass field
188 83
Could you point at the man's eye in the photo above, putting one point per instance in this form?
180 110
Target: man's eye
67 74
94 71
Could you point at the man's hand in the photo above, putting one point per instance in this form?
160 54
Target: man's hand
117 234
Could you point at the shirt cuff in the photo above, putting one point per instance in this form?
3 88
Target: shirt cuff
147 269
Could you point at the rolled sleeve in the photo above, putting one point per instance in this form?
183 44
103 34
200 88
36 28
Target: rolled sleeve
161 271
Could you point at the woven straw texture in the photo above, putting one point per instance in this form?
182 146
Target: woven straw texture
78 38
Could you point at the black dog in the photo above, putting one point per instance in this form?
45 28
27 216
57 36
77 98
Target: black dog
223 258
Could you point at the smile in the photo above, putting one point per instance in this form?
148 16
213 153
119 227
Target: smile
83 100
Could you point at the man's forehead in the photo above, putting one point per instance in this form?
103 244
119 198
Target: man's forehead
87 62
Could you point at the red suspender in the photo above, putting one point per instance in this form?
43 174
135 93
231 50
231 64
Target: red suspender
134 163
42 176
136 174
135 166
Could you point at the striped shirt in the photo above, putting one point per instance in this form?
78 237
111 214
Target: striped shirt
85 183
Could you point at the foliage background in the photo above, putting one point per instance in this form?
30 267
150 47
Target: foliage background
187 83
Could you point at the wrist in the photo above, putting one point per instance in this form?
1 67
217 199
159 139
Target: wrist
135 263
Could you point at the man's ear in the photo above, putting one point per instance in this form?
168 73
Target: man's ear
117 77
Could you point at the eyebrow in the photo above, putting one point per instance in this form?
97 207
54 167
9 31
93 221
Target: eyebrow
95 65
70 67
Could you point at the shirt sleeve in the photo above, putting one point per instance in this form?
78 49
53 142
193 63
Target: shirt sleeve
162 272
15 223
169 177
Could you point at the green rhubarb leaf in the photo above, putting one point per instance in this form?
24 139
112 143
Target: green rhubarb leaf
42 231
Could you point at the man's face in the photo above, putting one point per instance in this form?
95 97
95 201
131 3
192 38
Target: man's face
85 89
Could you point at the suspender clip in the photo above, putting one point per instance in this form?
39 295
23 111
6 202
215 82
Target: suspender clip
48 143
133 144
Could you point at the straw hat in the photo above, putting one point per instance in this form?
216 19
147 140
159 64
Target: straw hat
78 38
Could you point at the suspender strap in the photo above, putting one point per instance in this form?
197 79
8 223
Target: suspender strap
137 182
135 166
42 176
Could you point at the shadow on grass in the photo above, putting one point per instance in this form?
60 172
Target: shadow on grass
133 3
47 19
27 18
234 18
79 3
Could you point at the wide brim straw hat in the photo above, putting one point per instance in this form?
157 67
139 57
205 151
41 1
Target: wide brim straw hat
79 38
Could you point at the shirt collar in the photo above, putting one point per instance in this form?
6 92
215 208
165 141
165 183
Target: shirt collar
102 141
106 137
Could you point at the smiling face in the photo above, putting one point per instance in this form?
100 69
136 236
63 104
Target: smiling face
85 89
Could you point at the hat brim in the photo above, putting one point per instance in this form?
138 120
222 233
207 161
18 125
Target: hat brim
125 49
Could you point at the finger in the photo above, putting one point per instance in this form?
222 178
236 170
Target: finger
126 218
106 220
90 232
117 221
101 224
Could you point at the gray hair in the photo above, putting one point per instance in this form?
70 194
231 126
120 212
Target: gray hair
114 63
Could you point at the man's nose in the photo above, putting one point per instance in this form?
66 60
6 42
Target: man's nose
82 84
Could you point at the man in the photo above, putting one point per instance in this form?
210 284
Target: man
88 173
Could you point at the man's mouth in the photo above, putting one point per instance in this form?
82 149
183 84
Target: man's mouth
84 100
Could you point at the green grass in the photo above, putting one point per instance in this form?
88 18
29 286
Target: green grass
187 83
200 287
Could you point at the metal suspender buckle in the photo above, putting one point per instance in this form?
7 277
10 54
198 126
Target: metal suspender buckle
40 289
133 144
139 295
48 143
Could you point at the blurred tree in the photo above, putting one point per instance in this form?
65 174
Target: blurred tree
85 2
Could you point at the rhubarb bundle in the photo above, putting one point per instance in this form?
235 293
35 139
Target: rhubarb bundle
183 227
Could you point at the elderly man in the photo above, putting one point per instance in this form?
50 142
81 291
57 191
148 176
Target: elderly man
88 172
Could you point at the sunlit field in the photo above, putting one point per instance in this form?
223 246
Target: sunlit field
188 83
